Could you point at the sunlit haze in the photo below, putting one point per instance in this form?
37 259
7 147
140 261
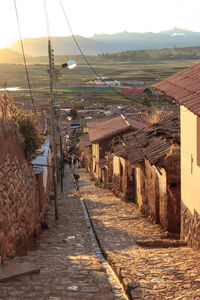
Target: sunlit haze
91 17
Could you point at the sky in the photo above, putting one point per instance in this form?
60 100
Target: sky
89 17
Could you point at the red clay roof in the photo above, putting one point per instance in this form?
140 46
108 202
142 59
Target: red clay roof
145 118
184 87
135 124
104 128
132 91
152 143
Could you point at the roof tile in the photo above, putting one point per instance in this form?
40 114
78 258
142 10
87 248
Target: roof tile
184 87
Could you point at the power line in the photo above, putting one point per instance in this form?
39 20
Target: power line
85 58
24 57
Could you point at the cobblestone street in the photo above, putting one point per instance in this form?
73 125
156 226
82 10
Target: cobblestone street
70 268
146 273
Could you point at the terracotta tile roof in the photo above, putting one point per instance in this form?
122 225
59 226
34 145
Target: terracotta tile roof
184 87
140 117
104 128
153 143
145 118
156 140
135 124
134 150
100 129
119 150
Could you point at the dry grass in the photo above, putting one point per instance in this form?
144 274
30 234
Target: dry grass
156 116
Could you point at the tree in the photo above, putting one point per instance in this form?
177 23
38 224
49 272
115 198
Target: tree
73 113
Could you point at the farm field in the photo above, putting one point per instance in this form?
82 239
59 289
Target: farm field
148 71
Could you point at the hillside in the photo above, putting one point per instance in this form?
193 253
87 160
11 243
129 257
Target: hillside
9 56
188 53
126 41
61 46
156 54
111 43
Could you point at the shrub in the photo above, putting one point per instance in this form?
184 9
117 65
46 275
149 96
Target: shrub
32 139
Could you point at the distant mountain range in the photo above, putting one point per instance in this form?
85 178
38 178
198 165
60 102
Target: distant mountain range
110 43
9 56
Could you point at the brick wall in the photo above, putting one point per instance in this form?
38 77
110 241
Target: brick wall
21 210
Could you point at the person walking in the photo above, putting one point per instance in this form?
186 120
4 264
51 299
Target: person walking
70 161
76 177
74 161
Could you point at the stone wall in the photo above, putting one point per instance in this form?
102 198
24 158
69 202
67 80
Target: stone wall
116 186
123 184
190 227
160 194
20 209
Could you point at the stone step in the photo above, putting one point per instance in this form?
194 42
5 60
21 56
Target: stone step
14 270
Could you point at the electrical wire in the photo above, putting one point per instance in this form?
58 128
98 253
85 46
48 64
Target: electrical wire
24 57
85 58
47 20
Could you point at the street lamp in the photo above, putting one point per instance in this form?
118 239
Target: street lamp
70 65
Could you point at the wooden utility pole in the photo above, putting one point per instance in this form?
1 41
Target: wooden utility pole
51 66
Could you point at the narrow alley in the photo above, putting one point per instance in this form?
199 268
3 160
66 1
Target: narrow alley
72 268
69 266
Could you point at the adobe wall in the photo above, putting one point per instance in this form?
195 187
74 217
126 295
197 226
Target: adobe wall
108 172
129 187
163 201
151 195
140 189
20 207
123 182
159 195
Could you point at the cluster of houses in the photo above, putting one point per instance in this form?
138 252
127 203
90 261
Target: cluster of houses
154 159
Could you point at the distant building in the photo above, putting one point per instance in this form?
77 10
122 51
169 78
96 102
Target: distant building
75 125
136 91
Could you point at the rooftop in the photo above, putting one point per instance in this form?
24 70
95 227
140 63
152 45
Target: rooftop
104 128
152 143
107 127
183 87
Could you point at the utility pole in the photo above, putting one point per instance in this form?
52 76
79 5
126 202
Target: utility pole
51 66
